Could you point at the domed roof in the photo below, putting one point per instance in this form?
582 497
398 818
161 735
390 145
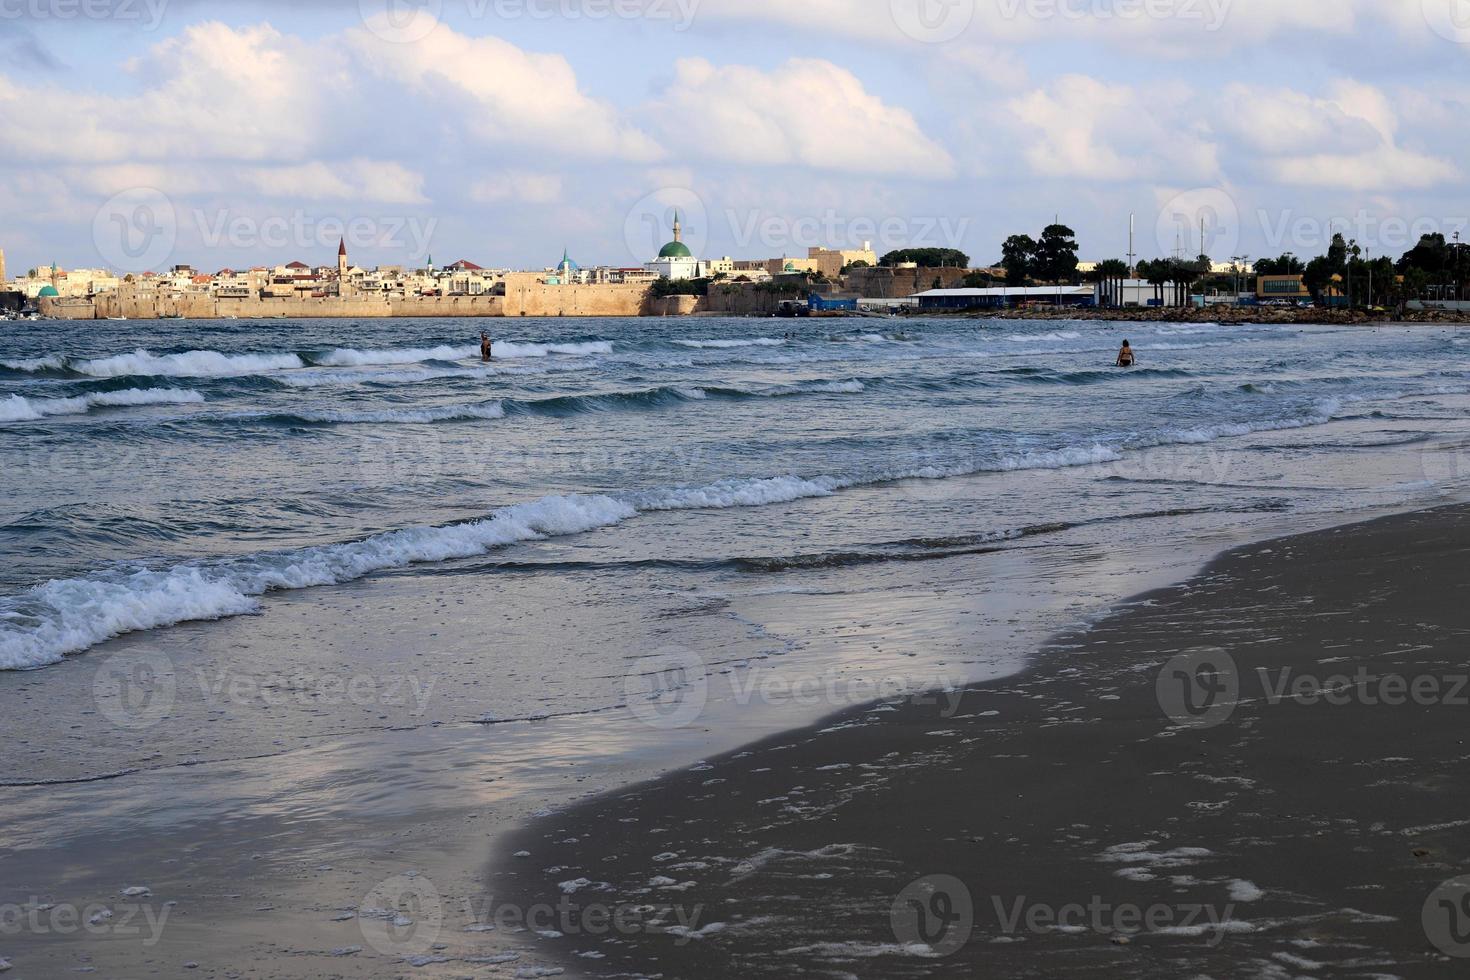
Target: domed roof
49 291
676 249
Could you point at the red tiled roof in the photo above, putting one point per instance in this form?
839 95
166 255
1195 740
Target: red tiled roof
298 265
465 265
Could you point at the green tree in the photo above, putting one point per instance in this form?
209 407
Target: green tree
1056 254
1286 265
1110 274
928 258
680 287
1018 255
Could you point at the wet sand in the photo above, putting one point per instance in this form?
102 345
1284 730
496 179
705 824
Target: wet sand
1258 772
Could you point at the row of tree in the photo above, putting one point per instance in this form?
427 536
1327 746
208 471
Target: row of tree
1434 268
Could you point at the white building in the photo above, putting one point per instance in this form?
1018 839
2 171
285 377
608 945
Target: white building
675 261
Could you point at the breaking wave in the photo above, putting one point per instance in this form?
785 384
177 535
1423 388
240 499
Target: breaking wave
190 364
20 409
47 622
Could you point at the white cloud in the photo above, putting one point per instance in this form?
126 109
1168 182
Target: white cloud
212 91
1083 127
505 94
806 112
1348 138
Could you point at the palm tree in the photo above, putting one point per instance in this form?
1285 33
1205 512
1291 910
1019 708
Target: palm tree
1111 275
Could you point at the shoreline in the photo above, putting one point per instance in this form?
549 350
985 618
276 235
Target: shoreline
1223 315
1287 834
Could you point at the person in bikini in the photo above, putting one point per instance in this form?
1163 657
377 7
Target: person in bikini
1125 356
486 347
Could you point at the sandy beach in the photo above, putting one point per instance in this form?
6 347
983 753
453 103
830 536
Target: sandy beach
1253 773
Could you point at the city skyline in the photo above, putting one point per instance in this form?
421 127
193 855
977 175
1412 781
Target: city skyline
506 133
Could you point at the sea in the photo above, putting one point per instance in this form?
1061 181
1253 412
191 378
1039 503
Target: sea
162 472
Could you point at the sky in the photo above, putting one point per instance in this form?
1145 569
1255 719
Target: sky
139 134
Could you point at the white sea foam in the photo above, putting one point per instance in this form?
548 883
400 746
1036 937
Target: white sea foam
191 364
43 624
737 493
730 344
515 350
20 409
1043 337
52 363
348 357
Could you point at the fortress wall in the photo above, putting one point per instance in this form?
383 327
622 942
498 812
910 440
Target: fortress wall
66 309
413 306
525 296
348 307
746 299
676 306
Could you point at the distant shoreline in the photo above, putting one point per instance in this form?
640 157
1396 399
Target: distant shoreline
1214 314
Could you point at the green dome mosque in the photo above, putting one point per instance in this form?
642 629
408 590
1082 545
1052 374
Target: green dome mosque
48 291
675 249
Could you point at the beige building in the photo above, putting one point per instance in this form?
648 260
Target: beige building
831 261
783 266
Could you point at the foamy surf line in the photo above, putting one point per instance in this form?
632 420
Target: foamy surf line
17 408
65 616
216 364
503 350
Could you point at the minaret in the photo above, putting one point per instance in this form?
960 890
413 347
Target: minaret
676 227
2 270
342 268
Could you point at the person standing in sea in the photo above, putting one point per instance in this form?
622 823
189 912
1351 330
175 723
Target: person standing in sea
486 347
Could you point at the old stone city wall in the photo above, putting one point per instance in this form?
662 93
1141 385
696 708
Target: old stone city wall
525 296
